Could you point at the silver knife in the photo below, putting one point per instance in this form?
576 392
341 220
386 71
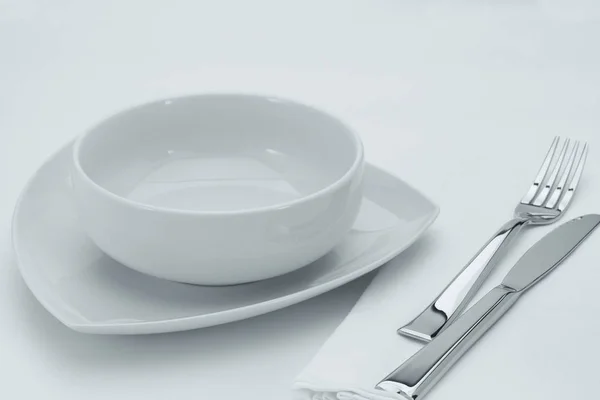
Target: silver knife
415 377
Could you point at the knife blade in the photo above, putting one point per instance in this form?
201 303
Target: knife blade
415 377
549 252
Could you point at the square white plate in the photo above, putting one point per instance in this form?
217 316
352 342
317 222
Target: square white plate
89 292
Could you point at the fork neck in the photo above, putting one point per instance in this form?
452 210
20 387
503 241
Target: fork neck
535 214
517 223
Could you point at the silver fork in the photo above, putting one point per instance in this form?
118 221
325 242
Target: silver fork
544 203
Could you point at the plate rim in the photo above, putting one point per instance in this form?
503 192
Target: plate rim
214 318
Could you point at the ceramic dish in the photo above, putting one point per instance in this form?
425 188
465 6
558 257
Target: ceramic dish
218 189
90 292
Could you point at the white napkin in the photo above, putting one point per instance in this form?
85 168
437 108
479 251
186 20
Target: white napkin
541 340
365 347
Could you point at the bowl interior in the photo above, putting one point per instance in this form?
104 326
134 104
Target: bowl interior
218 153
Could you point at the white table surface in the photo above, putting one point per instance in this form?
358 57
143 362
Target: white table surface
452 99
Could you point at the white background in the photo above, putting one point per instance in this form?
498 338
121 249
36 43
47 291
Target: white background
461 101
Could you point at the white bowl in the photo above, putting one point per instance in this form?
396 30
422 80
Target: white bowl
218 189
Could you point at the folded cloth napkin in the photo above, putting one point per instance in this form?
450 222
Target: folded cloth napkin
364 348
519 357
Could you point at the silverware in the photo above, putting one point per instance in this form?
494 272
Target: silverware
544 203
420 372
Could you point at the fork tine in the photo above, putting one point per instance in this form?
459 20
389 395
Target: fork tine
558 192
564 203
543 194
541 175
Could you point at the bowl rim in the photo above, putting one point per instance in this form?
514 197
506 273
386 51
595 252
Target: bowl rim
346 177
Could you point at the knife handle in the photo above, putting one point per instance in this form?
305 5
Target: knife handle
418 374
448 305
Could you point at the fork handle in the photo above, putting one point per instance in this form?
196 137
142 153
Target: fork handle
448 305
